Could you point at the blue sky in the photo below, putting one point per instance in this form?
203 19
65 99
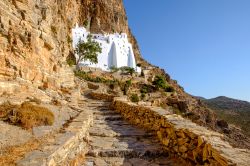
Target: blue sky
203 44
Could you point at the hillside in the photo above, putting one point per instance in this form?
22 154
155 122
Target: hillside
234 111
47 113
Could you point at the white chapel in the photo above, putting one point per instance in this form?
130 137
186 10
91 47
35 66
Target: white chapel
116 50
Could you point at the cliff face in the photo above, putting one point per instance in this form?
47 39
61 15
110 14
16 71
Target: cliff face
35 35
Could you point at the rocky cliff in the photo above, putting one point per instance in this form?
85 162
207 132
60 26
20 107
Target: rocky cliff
35 36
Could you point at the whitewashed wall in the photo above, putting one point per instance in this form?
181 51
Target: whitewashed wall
116 50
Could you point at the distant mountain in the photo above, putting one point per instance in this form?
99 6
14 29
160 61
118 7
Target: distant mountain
226 103
234 111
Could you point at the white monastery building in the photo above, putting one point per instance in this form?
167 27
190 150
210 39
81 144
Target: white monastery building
116 50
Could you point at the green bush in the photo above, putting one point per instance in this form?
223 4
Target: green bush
169 88
134 98
125 86
127 70
85 76
114 69
85 23
143 95
70 62
129 82
71 59
69 40
131 71
160 82
144 89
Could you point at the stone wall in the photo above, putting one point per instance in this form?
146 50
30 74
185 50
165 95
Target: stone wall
102 96
182 137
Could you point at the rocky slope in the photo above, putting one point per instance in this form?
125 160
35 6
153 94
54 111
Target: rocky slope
234 111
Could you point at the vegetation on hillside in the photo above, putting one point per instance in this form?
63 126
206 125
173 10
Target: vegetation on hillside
236 112
124 70
161 83
134 98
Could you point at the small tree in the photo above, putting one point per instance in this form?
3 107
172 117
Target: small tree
88 50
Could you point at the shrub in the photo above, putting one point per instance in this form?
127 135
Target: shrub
125 86
159 82
144 89
169 88
131 71
26 115
129 82
71 60
113 84
114 69
127 70
69 40
85 23
86 76
134 98
143 95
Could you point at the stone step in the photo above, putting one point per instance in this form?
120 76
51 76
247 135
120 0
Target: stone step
109 117
98 102
129 142
119 132
127 153
103 107
120 161
108 112
111 123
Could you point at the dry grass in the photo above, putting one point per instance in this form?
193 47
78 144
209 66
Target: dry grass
26 115
10 155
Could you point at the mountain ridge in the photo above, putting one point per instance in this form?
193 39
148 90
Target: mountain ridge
234 111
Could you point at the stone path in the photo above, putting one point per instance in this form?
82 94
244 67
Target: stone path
114 142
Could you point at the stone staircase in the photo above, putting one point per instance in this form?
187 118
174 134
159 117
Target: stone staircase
114 142
67 146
